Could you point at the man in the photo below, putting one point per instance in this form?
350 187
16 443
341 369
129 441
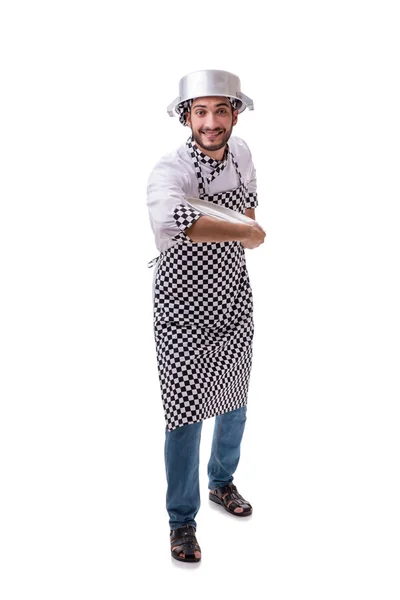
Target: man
203 313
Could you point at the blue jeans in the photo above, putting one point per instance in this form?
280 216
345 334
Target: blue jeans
182 447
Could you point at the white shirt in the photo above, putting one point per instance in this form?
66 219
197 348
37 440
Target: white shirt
174 179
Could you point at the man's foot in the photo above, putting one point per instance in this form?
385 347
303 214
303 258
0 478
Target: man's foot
184 546
230 499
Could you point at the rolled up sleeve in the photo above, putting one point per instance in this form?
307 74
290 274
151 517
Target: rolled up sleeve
170 213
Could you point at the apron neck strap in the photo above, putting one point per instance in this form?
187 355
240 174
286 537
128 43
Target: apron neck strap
219 165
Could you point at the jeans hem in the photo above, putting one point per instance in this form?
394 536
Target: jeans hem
192 523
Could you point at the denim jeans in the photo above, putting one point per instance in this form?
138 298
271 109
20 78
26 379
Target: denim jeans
182 448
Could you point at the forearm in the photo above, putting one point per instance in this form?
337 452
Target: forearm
211 229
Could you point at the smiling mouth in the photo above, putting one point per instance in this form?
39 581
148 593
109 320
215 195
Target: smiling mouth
211 134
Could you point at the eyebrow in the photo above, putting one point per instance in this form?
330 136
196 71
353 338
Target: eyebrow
204 106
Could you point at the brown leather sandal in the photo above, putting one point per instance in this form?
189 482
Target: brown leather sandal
229 498
184 540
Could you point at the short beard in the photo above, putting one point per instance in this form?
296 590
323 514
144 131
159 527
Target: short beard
213 147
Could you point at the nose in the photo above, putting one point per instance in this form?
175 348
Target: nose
211 121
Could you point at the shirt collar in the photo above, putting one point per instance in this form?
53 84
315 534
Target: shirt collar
205 159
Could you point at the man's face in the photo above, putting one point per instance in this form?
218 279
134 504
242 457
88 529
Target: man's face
211 119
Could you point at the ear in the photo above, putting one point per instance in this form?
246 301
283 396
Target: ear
235 116
188 121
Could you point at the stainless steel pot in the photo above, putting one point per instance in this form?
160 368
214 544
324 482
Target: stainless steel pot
210 83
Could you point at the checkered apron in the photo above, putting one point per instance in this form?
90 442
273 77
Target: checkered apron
203 314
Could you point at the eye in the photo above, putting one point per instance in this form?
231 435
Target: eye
222 111
200 112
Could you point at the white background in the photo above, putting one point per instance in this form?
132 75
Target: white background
84 90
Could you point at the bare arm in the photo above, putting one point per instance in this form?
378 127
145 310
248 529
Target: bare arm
250 212
211 229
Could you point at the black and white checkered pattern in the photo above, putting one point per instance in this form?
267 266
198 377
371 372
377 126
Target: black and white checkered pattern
185 216
252 200
228 199
203 318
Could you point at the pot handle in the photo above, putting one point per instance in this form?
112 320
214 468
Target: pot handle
248 101
171 107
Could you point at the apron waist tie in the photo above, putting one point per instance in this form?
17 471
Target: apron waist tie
153 262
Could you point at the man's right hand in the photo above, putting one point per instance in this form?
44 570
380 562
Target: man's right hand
253 237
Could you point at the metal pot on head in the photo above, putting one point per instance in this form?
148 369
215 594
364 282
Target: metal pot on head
210 83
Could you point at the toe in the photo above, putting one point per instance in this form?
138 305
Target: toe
181 554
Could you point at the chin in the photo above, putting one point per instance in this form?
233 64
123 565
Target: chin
211 146
214 147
